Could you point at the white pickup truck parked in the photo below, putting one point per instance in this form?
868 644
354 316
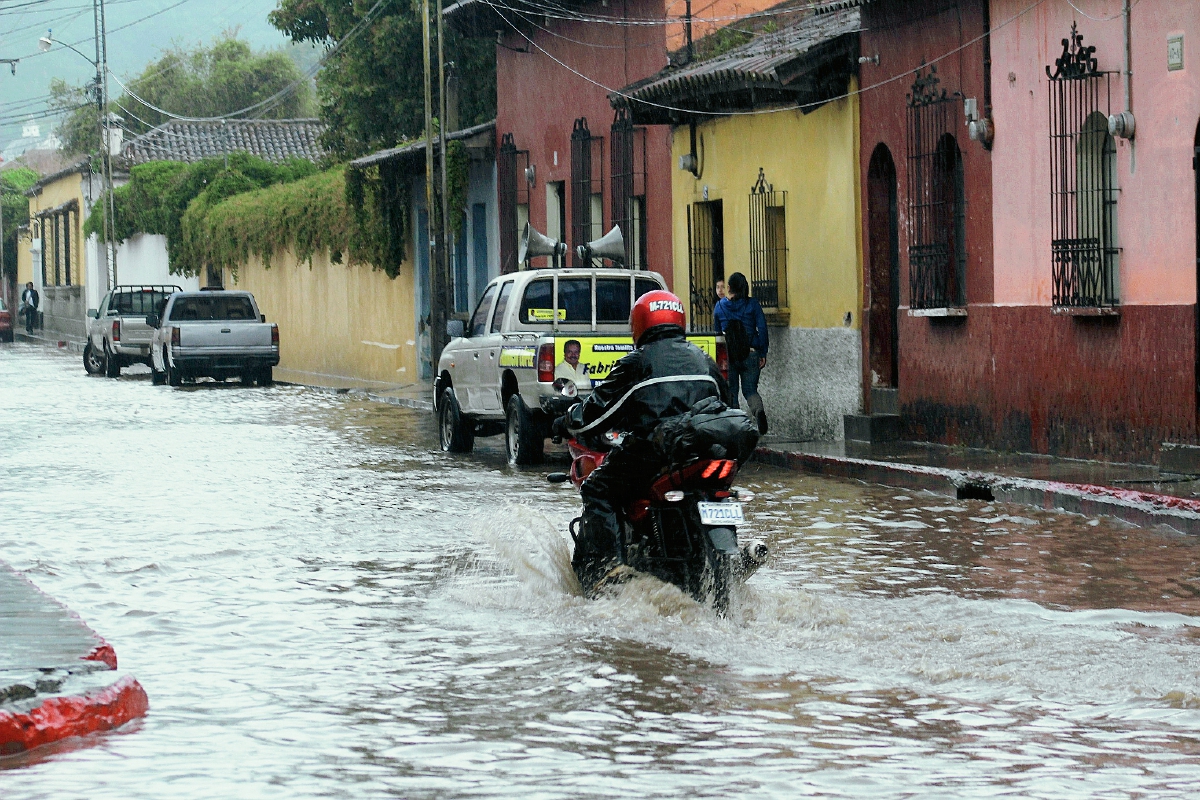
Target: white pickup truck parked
498 372
117 334
216 334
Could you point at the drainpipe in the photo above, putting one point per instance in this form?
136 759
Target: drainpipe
1124 124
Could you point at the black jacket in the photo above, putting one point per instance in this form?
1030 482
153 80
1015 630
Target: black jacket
624 403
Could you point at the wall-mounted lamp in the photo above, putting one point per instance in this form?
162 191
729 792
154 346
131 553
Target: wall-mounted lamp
688 163
980 129
869 59
530 175
1122 125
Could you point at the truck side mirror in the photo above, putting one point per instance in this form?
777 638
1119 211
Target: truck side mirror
262 317
153 320
94 313
455 328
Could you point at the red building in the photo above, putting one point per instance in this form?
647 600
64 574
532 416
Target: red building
564 161
1033 288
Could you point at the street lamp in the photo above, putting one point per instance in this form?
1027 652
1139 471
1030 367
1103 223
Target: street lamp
101 64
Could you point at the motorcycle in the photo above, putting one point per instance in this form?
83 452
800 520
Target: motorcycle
683 530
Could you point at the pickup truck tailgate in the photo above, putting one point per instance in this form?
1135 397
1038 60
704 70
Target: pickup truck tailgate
224 335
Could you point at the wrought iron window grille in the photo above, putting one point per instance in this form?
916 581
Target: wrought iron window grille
511 192
706 259
937 248
587 165
1083 180
768 244
628 169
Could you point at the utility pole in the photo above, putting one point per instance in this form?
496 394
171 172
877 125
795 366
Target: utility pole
687 29
447 290
110 215
437 292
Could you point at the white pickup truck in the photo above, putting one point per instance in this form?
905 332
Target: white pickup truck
217 334
497 374
117 334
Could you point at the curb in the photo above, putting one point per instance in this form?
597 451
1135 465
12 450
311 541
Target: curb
406 402
50 702
1139 508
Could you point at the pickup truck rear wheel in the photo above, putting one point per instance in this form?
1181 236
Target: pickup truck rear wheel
92 362
173 376
525 443
457 432
266 376
112 363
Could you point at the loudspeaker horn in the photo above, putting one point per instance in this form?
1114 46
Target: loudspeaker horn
535 244
611 246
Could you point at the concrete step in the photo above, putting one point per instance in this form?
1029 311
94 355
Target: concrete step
885 400
1179 458
872 428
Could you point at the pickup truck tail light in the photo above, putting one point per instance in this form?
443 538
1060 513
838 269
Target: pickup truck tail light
723 360
116 330
545 363
175 337
275 335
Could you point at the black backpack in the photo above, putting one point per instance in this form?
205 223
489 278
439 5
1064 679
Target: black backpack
737 341
709 430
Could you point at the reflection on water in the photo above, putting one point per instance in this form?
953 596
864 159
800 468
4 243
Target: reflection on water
320 604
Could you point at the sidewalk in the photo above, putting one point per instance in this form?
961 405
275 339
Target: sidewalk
57 676
409 395
1140 494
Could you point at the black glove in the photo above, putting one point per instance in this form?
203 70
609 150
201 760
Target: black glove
561 427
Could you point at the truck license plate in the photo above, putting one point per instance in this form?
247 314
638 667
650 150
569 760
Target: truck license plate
721 514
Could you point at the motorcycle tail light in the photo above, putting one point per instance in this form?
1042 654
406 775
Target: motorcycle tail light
673 496
723 360
545 363
116 330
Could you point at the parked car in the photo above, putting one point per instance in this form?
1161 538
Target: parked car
117 334
6 322
502 372
217 334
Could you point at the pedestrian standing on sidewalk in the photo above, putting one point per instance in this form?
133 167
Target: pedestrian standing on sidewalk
30 300
740 319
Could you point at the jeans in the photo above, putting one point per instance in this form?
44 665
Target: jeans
30 319
745 373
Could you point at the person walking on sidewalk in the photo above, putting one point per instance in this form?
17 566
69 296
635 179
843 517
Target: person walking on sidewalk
740 319
30 300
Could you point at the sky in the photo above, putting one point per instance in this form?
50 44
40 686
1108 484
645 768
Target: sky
138 31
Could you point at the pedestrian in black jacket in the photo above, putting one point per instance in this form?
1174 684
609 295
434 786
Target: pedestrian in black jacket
30 300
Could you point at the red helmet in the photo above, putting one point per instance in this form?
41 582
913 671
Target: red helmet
655 308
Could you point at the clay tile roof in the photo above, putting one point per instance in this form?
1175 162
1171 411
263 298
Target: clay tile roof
773 68
270 139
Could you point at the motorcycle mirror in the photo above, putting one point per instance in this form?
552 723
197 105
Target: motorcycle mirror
558 477
566 387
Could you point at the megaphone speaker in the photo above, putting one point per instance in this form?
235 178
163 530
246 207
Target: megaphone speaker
535 244
611 246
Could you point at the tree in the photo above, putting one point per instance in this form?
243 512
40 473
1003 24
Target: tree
13 183
223 77
371 93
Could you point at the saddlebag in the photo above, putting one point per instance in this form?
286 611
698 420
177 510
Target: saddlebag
710 430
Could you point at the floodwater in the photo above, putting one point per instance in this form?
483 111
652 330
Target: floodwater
321 604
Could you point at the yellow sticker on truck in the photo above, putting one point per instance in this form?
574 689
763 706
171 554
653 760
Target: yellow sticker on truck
598 355
518 357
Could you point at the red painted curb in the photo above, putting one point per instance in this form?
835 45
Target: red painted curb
63 717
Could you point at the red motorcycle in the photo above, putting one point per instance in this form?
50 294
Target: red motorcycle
684 530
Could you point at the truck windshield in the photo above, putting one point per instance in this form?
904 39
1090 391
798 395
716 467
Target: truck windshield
212 307
139 302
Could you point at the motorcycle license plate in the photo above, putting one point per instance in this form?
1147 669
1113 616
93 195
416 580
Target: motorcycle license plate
721 514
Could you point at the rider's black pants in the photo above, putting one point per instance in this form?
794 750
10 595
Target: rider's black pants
623 477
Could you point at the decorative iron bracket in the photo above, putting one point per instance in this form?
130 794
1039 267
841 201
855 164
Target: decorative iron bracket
1076 62
926 89
761 186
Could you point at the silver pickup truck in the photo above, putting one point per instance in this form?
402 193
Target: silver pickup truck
216 334
117 334
498 373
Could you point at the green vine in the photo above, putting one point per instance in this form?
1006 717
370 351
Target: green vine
457 172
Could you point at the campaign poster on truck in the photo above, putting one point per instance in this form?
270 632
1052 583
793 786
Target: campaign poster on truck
596 356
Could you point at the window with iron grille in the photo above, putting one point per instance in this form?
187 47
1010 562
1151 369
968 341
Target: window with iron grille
587 180
937 213
768 244
628 170
1083 180
706 259
512 194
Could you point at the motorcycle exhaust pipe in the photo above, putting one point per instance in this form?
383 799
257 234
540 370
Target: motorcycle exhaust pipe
558 477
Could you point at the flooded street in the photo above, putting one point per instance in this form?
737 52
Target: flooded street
320 603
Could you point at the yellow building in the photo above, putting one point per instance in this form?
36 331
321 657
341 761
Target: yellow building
52 253
765 139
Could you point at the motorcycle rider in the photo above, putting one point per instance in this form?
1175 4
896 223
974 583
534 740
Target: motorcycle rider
664 376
